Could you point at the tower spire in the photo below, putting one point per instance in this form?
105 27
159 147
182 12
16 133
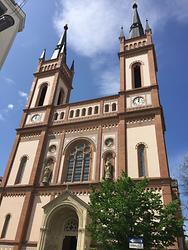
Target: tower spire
122 33
62 45
148 29
42 57
136 29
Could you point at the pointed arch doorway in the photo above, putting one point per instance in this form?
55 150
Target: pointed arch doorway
64 222
70 234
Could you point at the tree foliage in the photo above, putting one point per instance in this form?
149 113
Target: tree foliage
186 245
124 209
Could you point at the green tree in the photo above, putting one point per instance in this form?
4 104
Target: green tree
186 245
123 209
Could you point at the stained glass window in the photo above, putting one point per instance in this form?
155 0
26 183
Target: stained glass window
79 163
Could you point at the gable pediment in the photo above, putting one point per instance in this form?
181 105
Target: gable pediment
67 198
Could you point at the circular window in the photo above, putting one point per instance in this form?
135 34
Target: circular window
109 142
52 148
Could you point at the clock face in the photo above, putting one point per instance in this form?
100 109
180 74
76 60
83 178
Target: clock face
109 142
35 118
138 101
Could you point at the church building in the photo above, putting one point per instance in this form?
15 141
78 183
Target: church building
62 149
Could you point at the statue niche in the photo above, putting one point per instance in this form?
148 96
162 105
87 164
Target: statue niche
48 169
108 168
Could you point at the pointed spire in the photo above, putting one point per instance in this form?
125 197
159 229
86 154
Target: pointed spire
148 29
43 55
72 66
62 45
136 29
122 33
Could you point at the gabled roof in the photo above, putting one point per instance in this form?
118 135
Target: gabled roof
63 197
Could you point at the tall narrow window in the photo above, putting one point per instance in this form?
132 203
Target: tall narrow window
89 112
113 106
96 110
77 113
56 116
137 81
78 162
62 115
60 97
42 94
21 170
5 226
83 112
71 114
106 108
142 160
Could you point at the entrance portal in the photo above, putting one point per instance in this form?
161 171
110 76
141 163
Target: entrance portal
64 224
69 243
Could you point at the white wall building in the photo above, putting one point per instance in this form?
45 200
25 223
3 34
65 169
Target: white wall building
10 8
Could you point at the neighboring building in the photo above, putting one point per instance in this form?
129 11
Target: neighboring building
12 14
62 149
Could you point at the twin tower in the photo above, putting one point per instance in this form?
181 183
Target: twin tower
62 149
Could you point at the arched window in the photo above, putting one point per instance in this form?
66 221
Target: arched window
62 115
60 97
83 112
78 161
96 110
21 170
71 114
142 169
42 94
106 108
137 80
113 106
77 113
89 111
55 116
5 226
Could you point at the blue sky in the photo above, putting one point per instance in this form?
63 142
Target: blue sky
94 28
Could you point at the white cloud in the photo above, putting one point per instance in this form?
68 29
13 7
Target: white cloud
22 94
10 106
109 82
9 80
95 25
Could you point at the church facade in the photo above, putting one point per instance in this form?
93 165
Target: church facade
62 149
